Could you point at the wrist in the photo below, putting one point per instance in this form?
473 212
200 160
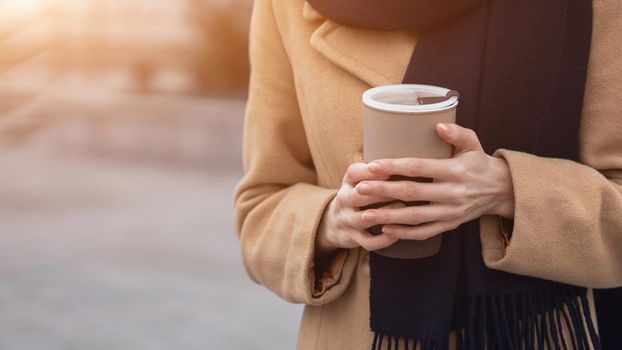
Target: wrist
504 203
324 244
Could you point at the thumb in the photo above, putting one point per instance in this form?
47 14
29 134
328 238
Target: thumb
462 139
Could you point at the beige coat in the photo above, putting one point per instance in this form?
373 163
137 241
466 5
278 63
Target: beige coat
303 127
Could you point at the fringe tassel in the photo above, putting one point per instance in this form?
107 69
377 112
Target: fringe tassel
510 322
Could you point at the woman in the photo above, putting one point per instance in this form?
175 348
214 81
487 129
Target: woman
528 284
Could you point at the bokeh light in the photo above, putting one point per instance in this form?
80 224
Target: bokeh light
120 145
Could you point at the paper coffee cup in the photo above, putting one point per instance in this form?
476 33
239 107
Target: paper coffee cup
395 125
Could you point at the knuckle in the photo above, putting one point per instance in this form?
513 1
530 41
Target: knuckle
351 172
344 220
352 168
473 135
340 223
358 221
342 196
415 216
413 166
379 188
351 220
346 178
381 215
360 200
411 190
463 193
459 195
458 171
353 197
399 233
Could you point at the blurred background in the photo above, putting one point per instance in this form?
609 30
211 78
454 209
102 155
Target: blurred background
120 146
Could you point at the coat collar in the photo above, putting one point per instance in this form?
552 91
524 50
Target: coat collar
375 57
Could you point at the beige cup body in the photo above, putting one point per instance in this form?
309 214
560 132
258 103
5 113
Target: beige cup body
401 134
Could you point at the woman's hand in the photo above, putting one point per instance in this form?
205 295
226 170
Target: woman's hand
342 224
466 186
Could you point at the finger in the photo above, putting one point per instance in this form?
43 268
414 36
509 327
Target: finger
355 220
354 198
359 219
414 214
394 205
414 167
408 190
370 242
463 139
358 172
420 232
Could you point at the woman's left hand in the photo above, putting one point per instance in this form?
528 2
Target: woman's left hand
466 186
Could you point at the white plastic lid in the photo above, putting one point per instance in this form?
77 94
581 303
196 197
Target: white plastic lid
403 98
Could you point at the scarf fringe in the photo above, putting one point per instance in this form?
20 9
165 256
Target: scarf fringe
506 322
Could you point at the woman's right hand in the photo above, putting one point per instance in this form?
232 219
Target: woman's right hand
343 225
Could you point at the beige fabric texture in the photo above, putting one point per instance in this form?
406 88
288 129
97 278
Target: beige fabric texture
303 128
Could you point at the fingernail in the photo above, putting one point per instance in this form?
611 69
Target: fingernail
386 229
444 127
370 216
363 187
374 166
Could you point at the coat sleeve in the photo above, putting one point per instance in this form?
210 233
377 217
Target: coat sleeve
568 215
278 202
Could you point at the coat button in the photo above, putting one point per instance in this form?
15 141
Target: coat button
365 264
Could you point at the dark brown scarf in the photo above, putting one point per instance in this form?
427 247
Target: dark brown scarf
520 67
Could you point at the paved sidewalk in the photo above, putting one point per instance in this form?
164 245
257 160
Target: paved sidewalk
112 255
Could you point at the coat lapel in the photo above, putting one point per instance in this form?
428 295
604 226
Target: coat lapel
375 57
